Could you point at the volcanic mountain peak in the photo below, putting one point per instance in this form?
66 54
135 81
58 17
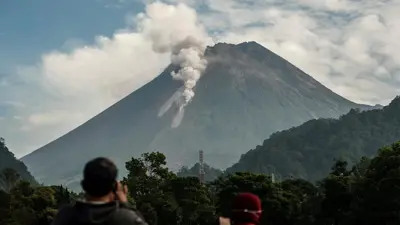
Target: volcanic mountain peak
245 94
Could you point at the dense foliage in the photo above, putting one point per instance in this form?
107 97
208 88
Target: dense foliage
307 151
367 193
8 162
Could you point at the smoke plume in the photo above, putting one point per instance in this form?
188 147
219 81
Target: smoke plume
175 30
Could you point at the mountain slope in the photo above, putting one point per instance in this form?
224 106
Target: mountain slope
307 151
246 93
8 160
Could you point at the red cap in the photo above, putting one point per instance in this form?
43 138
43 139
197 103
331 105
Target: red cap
246 208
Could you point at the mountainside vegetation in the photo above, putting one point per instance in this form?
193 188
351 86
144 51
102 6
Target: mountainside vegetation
11 168
307 151
366 193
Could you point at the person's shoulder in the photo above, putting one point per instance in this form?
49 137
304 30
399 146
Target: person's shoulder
64 214
129 216
66 209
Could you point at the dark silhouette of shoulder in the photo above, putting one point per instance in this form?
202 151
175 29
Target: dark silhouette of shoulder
114 213
127 216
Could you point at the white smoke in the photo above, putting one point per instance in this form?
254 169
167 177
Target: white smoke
189 55
175 30
167 105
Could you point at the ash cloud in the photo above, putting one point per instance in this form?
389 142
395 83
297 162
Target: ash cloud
174 29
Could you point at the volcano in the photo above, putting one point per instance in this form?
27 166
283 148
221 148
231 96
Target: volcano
246 93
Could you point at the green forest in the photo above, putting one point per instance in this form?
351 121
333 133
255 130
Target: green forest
307 151
366 193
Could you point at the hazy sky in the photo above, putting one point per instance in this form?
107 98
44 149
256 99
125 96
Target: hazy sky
62 62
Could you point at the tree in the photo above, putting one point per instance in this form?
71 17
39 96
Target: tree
146 180
20 207
5 200
308 197
9 178
63 195
194 200
44 204
8 162
378 194
336 190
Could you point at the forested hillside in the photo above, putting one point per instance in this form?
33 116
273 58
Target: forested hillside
307 151
8 161
367 194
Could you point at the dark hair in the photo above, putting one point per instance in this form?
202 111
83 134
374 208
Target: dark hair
99 177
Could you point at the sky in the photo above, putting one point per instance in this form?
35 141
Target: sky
63 62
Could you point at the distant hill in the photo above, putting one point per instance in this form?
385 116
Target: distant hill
8 160
307 151
210 173
246 93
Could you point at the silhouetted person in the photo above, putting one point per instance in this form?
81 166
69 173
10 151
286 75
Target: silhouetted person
105 199
246 210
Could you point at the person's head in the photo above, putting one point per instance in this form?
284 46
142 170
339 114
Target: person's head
246 208
99 178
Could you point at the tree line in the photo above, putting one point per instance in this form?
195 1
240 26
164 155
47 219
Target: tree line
367 193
